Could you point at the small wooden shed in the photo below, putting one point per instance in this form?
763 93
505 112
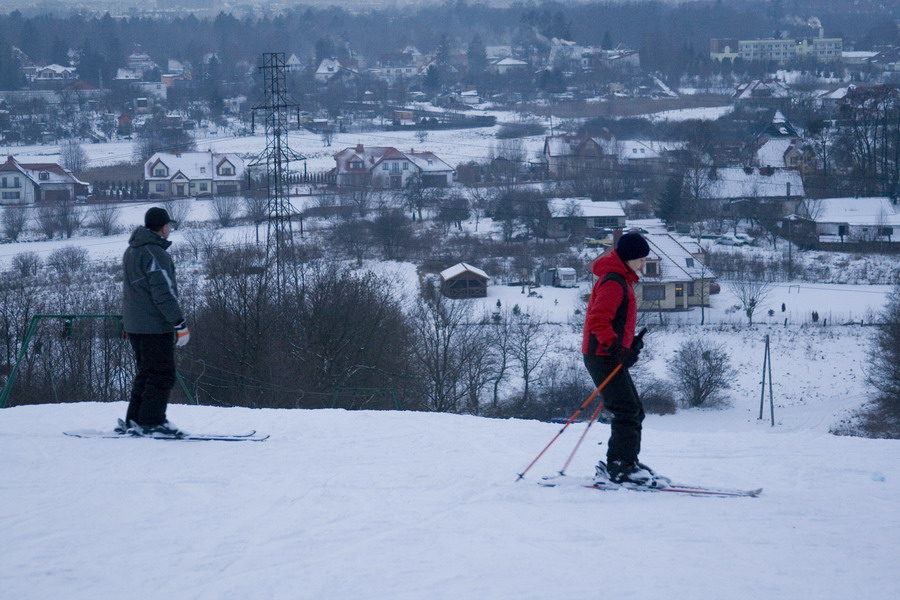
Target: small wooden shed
464 281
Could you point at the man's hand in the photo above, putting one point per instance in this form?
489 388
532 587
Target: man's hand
182 334
626 356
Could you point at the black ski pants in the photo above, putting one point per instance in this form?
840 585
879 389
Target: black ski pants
621 398
154 354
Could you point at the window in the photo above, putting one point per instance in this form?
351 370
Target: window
204 187
679 290
690 288
406 166
203 170
3 181
654 292
160 187
10 195
384 166
356 164
44 176
16 182
689 262
225 170
887 231
651 269
159 172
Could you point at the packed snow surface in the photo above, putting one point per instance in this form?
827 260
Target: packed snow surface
403 505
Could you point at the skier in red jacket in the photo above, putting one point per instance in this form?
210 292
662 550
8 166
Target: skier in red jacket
609 340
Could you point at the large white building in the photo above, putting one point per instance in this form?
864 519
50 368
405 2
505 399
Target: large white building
193 174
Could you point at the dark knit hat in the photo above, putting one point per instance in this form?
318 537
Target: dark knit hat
155 218
632 245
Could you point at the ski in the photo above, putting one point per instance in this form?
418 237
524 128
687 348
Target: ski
250 436
690 490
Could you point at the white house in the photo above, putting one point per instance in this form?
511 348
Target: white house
675 277
582 217
858 219
736 185
27 183
193 174
387 167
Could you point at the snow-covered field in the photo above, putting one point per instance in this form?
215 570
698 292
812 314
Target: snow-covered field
387 505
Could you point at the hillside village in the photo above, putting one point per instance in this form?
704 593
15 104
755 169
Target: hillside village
483 162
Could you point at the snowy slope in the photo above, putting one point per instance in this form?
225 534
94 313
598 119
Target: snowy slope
412 505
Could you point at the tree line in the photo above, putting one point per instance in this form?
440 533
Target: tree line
672 38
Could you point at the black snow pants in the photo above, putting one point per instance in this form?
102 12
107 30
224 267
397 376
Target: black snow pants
154 354
621 399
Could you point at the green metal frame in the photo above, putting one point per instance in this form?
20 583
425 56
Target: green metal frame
32 327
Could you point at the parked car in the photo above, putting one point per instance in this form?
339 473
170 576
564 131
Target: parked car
729 240
745 238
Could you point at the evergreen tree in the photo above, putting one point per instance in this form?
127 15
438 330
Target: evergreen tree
669 204
476 56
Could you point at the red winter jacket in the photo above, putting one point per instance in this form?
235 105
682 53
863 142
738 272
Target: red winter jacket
604 302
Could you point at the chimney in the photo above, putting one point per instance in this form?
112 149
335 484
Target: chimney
359 148
788 186
617 233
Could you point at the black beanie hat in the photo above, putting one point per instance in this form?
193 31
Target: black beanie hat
632 245
155 218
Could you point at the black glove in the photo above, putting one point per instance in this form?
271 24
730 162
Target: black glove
626 356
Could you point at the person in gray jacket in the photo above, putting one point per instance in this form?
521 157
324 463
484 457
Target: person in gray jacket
153 322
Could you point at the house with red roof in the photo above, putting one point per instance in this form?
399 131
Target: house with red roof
28 183
387 167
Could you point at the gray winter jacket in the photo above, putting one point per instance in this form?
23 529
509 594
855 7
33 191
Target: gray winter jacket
150 294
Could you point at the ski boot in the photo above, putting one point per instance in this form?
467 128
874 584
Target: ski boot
636 474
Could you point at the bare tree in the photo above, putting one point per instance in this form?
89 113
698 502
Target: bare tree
750 292
68 259
204 241
105 217
443 336
225 208
26 264
701 370
530 344
501 340
14 219
178 210
73 156
47 221
69 217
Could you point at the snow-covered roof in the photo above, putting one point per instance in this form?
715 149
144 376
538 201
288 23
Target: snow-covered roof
42 173
510 62
636 150
372 156
569 145
761 88
676 261
459 269
771 153
749 182
427 162
196 165
583 207
855 211
859 54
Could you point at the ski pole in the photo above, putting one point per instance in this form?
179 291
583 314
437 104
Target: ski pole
596 413
574 416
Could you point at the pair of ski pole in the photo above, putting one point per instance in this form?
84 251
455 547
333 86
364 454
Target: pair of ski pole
575 416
